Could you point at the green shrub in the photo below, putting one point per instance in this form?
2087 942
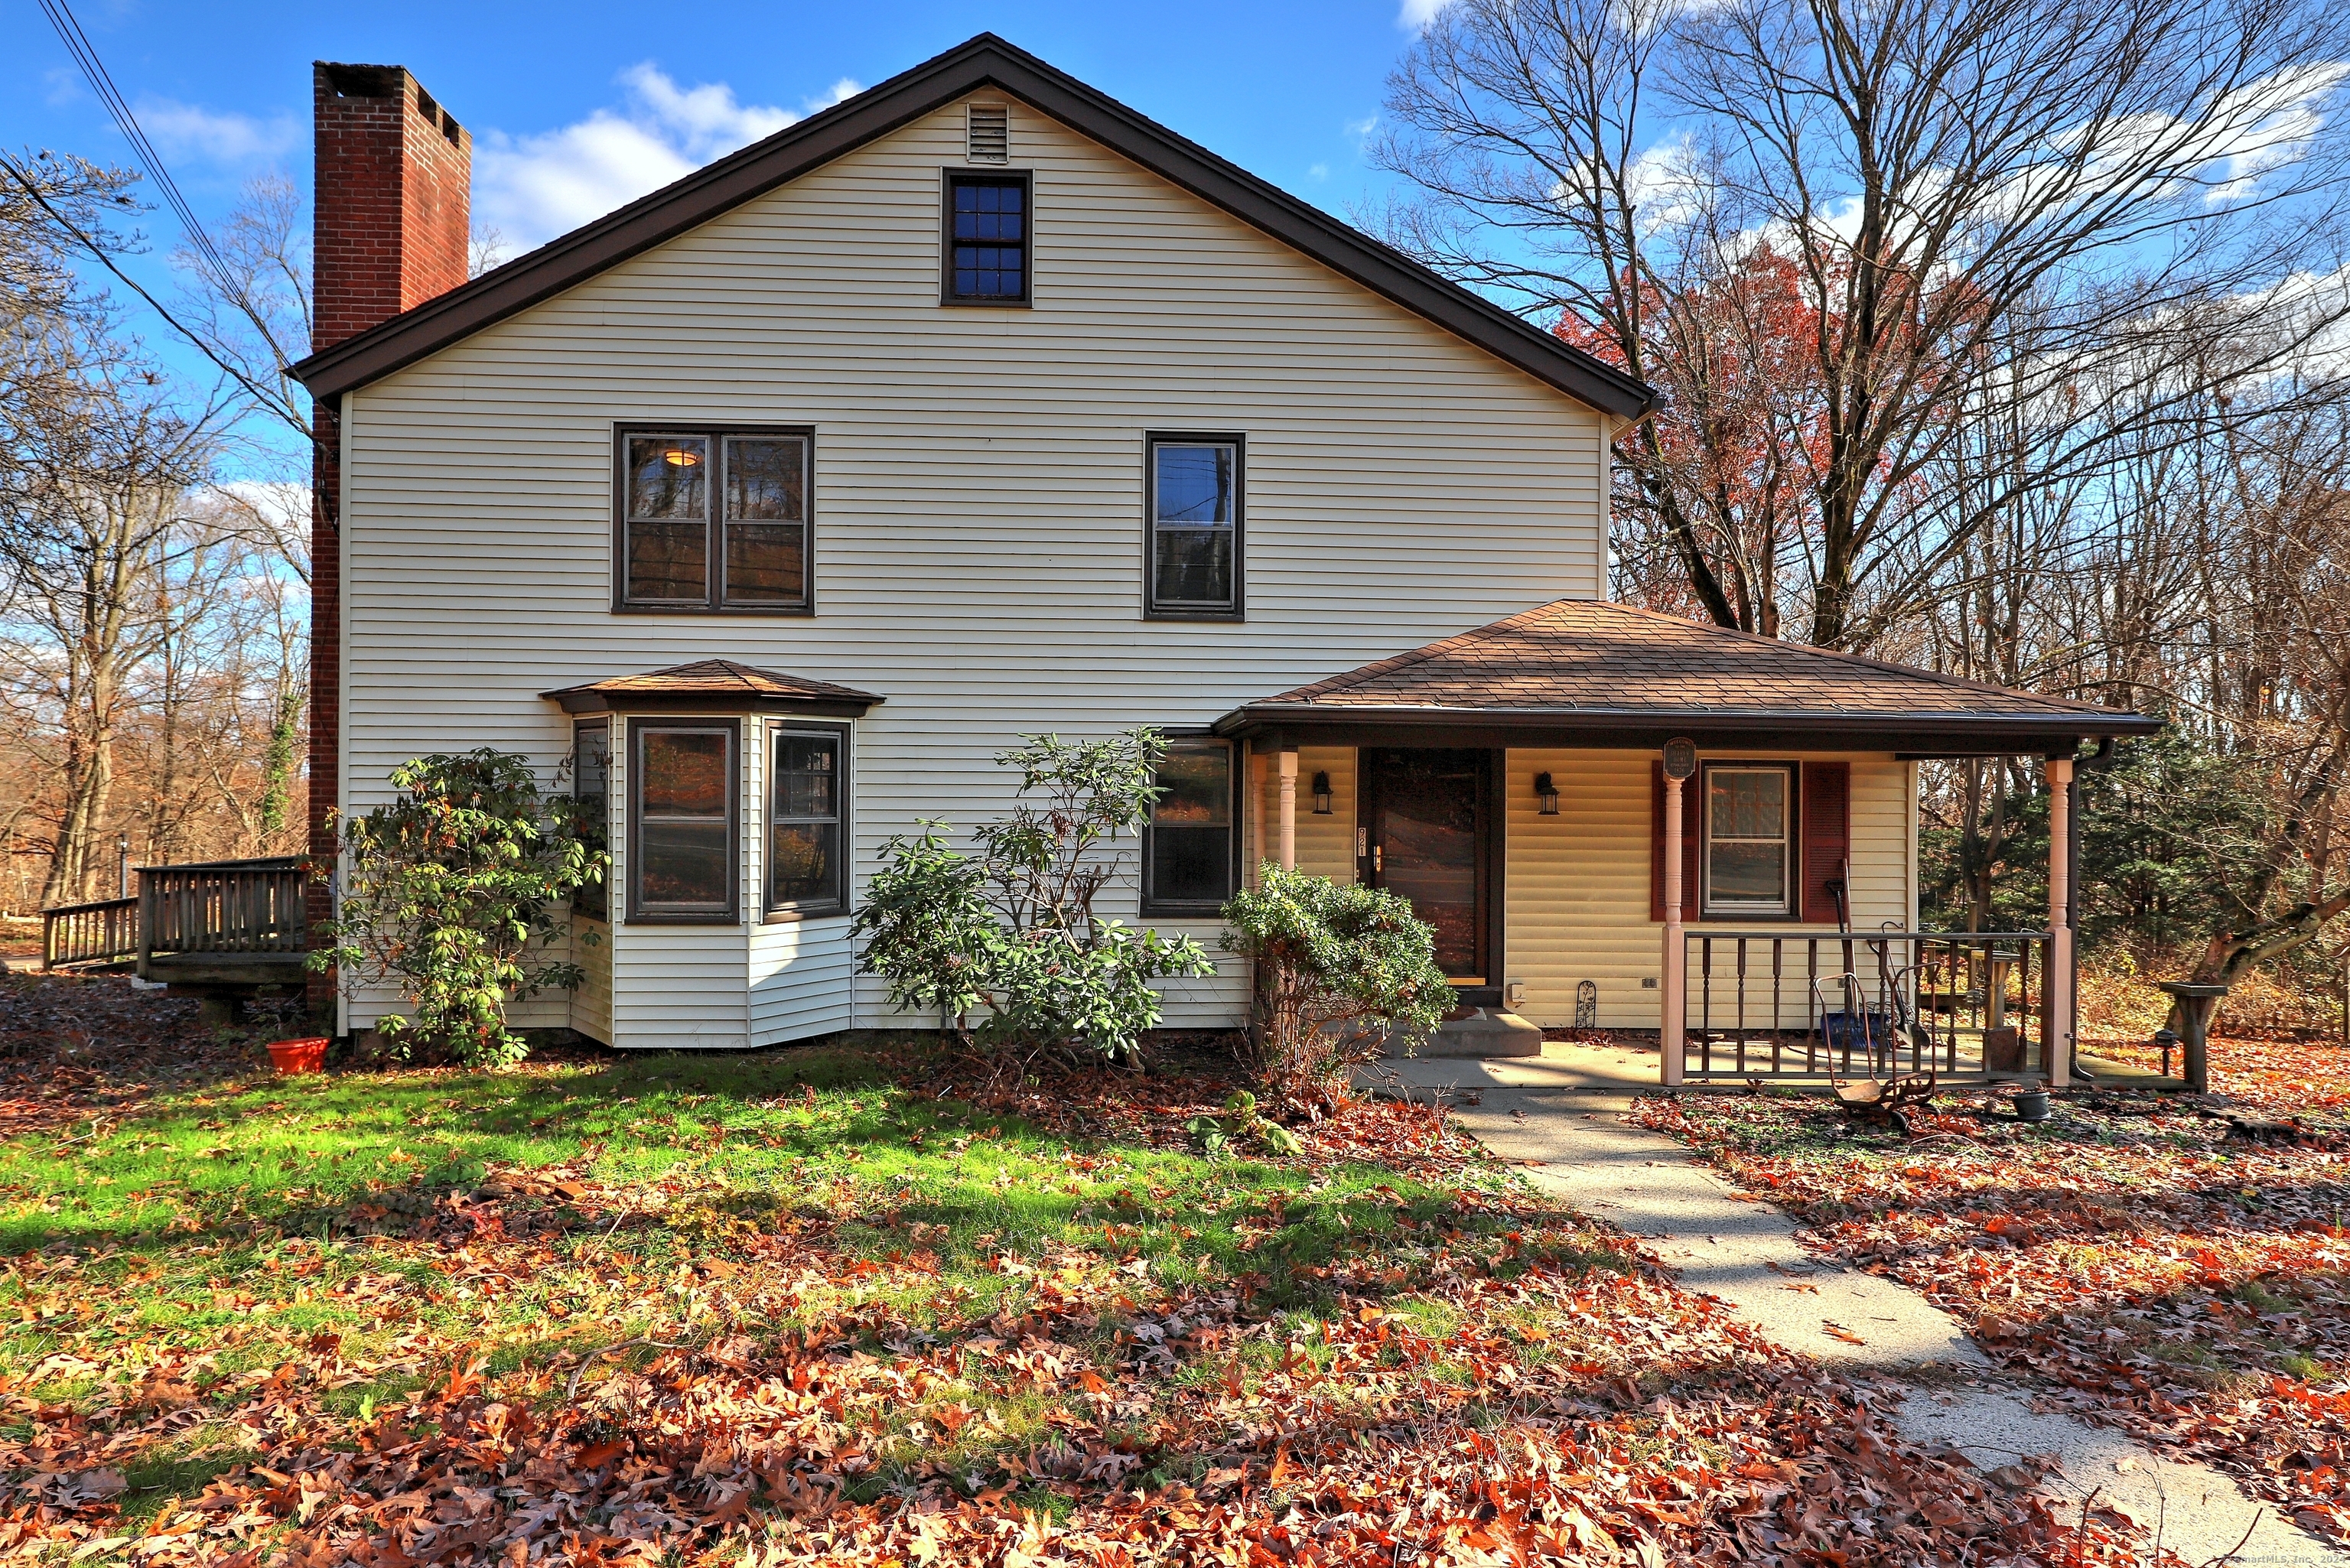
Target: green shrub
1012 929
455 892
1339 970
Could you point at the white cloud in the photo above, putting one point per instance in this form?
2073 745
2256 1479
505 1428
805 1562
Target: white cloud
533 188
1359 128
2279 117
844 89
1416 15
190 131
1318 171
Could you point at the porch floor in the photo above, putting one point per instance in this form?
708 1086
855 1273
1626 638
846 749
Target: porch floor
1627 1064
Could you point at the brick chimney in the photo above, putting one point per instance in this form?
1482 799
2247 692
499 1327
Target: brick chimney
391 204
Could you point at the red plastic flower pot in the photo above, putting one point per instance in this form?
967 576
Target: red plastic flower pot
294 1056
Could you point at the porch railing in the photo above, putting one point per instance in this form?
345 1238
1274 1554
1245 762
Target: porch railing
1968 1005
103 932
223 907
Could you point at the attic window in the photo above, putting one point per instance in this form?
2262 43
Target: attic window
984 249
990 133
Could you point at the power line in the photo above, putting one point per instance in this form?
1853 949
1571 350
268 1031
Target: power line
93 70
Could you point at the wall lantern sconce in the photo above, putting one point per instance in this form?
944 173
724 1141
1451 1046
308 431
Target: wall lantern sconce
1547 794
1321 795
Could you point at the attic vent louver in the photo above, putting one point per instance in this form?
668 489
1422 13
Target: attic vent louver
991 133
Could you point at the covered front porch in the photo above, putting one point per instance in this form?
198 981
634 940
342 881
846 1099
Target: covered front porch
1623 824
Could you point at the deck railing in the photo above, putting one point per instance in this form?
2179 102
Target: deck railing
223 907
1967 1005
228 907
103 932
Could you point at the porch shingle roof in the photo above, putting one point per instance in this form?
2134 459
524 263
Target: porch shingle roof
711 682
1588 663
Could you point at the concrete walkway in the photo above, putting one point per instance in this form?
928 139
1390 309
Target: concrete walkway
1566 1130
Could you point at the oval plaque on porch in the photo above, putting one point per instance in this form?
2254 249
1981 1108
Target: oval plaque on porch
1680 758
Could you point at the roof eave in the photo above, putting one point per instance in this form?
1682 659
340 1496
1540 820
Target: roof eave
2026 731
580 700
985 61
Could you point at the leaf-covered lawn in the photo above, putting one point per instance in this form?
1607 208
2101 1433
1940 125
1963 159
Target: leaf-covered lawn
812 1306
2156 1271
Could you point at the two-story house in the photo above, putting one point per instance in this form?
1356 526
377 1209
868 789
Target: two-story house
980 406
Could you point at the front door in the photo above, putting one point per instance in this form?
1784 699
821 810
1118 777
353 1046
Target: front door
1427 834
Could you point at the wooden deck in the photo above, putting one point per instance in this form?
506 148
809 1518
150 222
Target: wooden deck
221 927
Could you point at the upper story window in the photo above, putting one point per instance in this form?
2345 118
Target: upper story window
807 872
682 820
1191 854
714 520
1192 515
1749 809
591 773
985 244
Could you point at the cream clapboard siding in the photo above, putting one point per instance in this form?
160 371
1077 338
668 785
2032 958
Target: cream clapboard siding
679 987
590 1007
977 502
1575 887
802 971
1326 845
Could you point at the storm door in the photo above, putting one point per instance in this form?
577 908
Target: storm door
1428 834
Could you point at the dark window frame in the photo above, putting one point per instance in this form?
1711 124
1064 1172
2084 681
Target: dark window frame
1026 179
638 913
1706 910
601 892
1236 770
1151 609
788 911
713 601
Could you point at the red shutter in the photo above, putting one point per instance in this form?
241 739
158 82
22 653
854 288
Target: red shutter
1689 847
1828 837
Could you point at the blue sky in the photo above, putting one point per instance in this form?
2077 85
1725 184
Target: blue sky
577 107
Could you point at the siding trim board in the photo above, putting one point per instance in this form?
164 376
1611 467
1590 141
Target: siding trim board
985 61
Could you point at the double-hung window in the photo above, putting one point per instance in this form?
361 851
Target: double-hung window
807 872
1748 811
984 249
714 520
682 820
1190 862
1192 520
591 773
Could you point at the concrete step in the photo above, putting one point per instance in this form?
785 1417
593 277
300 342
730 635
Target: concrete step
1486 1032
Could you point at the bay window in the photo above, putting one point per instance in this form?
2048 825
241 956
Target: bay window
591 772
681 821
807 872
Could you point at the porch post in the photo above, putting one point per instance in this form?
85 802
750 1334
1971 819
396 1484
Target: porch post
2059 980
1671 1040
1289 808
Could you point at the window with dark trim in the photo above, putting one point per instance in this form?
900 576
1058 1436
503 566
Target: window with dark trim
1749 839
808 820
591 774
1190 850
712 520
1192 508
682 811
983 245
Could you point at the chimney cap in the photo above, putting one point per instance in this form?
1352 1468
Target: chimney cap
363 81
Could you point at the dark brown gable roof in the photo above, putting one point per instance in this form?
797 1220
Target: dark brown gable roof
987 61
713 683
1585 665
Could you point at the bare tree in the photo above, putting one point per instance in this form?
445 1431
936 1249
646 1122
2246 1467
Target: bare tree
2038 206
92 527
